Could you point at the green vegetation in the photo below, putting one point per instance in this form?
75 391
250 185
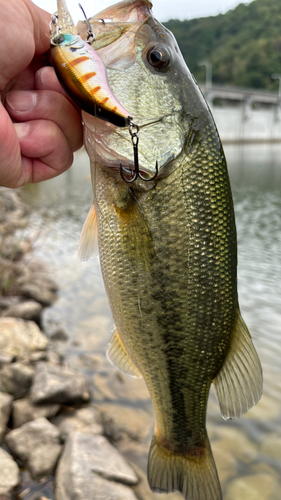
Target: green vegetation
243 45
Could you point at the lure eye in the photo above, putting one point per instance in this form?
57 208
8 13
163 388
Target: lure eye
158 57
58 40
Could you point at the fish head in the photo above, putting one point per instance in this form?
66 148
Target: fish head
147 73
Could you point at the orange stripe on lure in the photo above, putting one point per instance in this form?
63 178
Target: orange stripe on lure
83 76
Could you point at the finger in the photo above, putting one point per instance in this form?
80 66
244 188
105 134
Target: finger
46 79
41 31
24 106
10 156
45 151
32 23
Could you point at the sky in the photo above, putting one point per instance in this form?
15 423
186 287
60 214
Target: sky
163 10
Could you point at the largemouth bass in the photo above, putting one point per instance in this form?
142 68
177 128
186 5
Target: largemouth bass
168 248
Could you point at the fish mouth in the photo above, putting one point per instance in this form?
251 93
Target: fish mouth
128 11
118 21
112 146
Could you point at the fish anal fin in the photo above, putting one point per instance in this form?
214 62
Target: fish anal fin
238 385
193 474
88 245
118 355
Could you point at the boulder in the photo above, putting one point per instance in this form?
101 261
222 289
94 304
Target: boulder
25 411
5 411
19 337
271 447
9 474
253 487
57 384
28 309
117 386
85 420
37 443
125 422
16 378
91 464
38 285
5 359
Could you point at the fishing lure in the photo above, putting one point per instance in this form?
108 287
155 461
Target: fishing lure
82 74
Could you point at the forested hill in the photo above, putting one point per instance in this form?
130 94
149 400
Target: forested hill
243 45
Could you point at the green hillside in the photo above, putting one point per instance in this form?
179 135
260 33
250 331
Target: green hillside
243 45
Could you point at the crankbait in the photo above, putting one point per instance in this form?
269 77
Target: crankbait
83 75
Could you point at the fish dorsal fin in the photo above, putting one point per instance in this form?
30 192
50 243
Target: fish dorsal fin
238 385
88 245
118 355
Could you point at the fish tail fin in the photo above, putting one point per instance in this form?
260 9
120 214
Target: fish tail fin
193 474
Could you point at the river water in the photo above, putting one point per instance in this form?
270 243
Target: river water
247 451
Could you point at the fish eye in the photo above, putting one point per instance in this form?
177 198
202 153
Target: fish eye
158 57
57 40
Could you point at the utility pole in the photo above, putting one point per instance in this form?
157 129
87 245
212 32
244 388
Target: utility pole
276 76
208 73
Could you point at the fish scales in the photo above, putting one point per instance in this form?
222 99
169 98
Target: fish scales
176 308
168 252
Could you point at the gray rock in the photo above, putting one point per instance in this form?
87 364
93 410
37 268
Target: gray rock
36 443
86 465
86 420
5 410
56 384
28 309
234 443
253 487
43 460
124 422
6 302
117 386
60 335
40 294
37 285
19 337
271 447
5 360
9 474
16 378
25 411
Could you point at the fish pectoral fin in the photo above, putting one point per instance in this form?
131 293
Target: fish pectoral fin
88 244
238 385
192 473
136 235
118 355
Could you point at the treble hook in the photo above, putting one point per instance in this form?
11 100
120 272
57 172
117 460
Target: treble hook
89 31
135 142
54 23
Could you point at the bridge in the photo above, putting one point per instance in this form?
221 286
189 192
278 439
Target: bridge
244 115
238 95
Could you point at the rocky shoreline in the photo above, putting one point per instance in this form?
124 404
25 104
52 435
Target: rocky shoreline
55 443
83 433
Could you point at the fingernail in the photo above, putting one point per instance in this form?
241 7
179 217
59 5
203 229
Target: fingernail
21 129
20 100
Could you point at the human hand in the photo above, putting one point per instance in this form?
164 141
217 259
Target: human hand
39 127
